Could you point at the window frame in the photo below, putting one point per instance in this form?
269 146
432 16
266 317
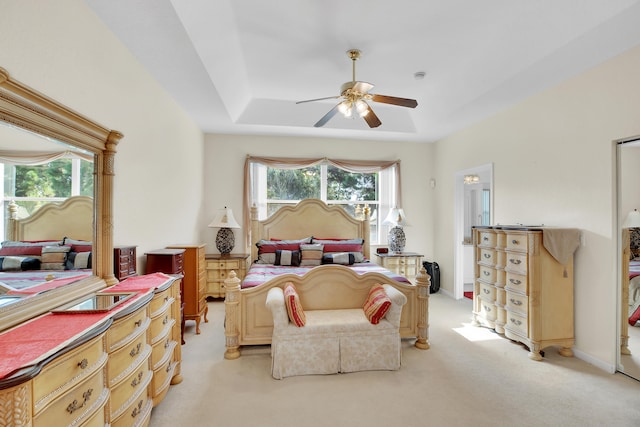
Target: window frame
255 187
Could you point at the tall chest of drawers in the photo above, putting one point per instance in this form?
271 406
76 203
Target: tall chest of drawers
194 283
521 290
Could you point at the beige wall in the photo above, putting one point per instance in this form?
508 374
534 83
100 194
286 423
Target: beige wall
225 156
63 50
554 165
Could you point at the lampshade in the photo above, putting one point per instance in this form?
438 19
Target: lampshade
395 217
632 220
225 239
224 219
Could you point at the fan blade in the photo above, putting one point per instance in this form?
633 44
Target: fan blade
318 99
362 87
372 120
327 117
403 102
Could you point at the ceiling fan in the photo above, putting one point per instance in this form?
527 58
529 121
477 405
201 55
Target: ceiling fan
355 95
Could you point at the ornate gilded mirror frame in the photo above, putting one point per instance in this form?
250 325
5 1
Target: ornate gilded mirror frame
25 108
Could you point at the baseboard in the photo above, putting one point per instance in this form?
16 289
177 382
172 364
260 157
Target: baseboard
607 367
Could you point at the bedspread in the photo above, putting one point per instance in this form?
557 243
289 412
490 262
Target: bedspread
261 273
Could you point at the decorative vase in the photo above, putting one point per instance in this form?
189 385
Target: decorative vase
225 240
397 239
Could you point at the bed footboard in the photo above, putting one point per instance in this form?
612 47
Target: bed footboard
249 322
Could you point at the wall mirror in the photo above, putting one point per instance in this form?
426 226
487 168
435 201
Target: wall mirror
35 122
628 156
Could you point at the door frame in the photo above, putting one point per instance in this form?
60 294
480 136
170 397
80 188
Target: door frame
486 172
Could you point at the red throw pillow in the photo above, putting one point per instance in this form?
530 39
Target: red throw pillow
635 317
294 308
377 304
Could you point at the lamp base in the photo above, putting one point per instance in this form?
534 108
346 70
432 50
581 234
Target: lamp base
397 239
225 240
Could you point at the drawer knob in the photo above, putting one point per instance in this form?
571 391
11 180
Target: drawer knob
167 344
135 351
487 308
138 323
165 320
485 239
516 321
486 291
137 410
74 406
136 380
486 273
169 367
515 281
514 242
487 256
83 363
515 261
515 301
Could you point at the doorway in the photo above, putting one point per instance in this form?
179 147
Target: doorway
473 206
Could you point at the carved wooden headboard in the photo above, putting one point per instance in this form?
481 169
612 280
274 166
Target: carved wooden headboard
72 218
310 217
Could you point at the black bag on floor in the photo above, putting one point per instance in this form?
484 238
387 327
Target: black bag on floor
433 270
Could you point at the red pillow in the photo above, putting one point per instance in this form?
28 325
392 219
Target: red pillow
377 304
294 308
635 317
34 250
272 248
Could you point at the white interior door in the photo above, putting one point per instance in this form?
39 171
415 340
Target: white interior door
468 210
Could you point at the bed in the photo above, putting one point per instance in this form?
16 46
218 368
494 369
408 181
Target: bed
247 319
48 249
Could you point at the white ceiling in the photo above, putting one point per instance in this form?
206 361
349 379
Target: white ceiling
239 66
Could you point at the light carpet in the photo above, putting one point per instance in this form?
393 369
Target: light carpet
470 377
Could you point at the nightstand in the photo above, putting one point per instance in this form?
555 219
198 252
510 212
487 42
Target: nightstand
406 264
219 266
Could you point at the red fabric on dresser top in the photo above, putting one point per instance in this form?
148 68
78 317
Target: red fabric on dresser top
36 339
51 284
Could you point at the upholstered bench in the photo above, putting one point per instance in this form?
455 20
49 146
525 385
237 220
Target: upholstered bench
334 340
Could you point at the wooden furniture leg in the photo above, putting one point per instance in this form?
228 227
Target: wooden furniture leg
232 314
423 282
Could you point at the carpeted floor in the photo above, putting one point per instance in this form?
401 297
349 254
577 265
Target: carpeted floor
470 377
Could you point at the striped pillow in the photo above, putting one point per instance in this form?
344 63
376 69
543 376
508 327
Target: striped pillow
294 308
377 304
311 254
54 257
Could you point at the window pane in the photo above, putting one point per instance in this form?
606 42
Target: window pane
293 184
86 178
50 180
344 185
